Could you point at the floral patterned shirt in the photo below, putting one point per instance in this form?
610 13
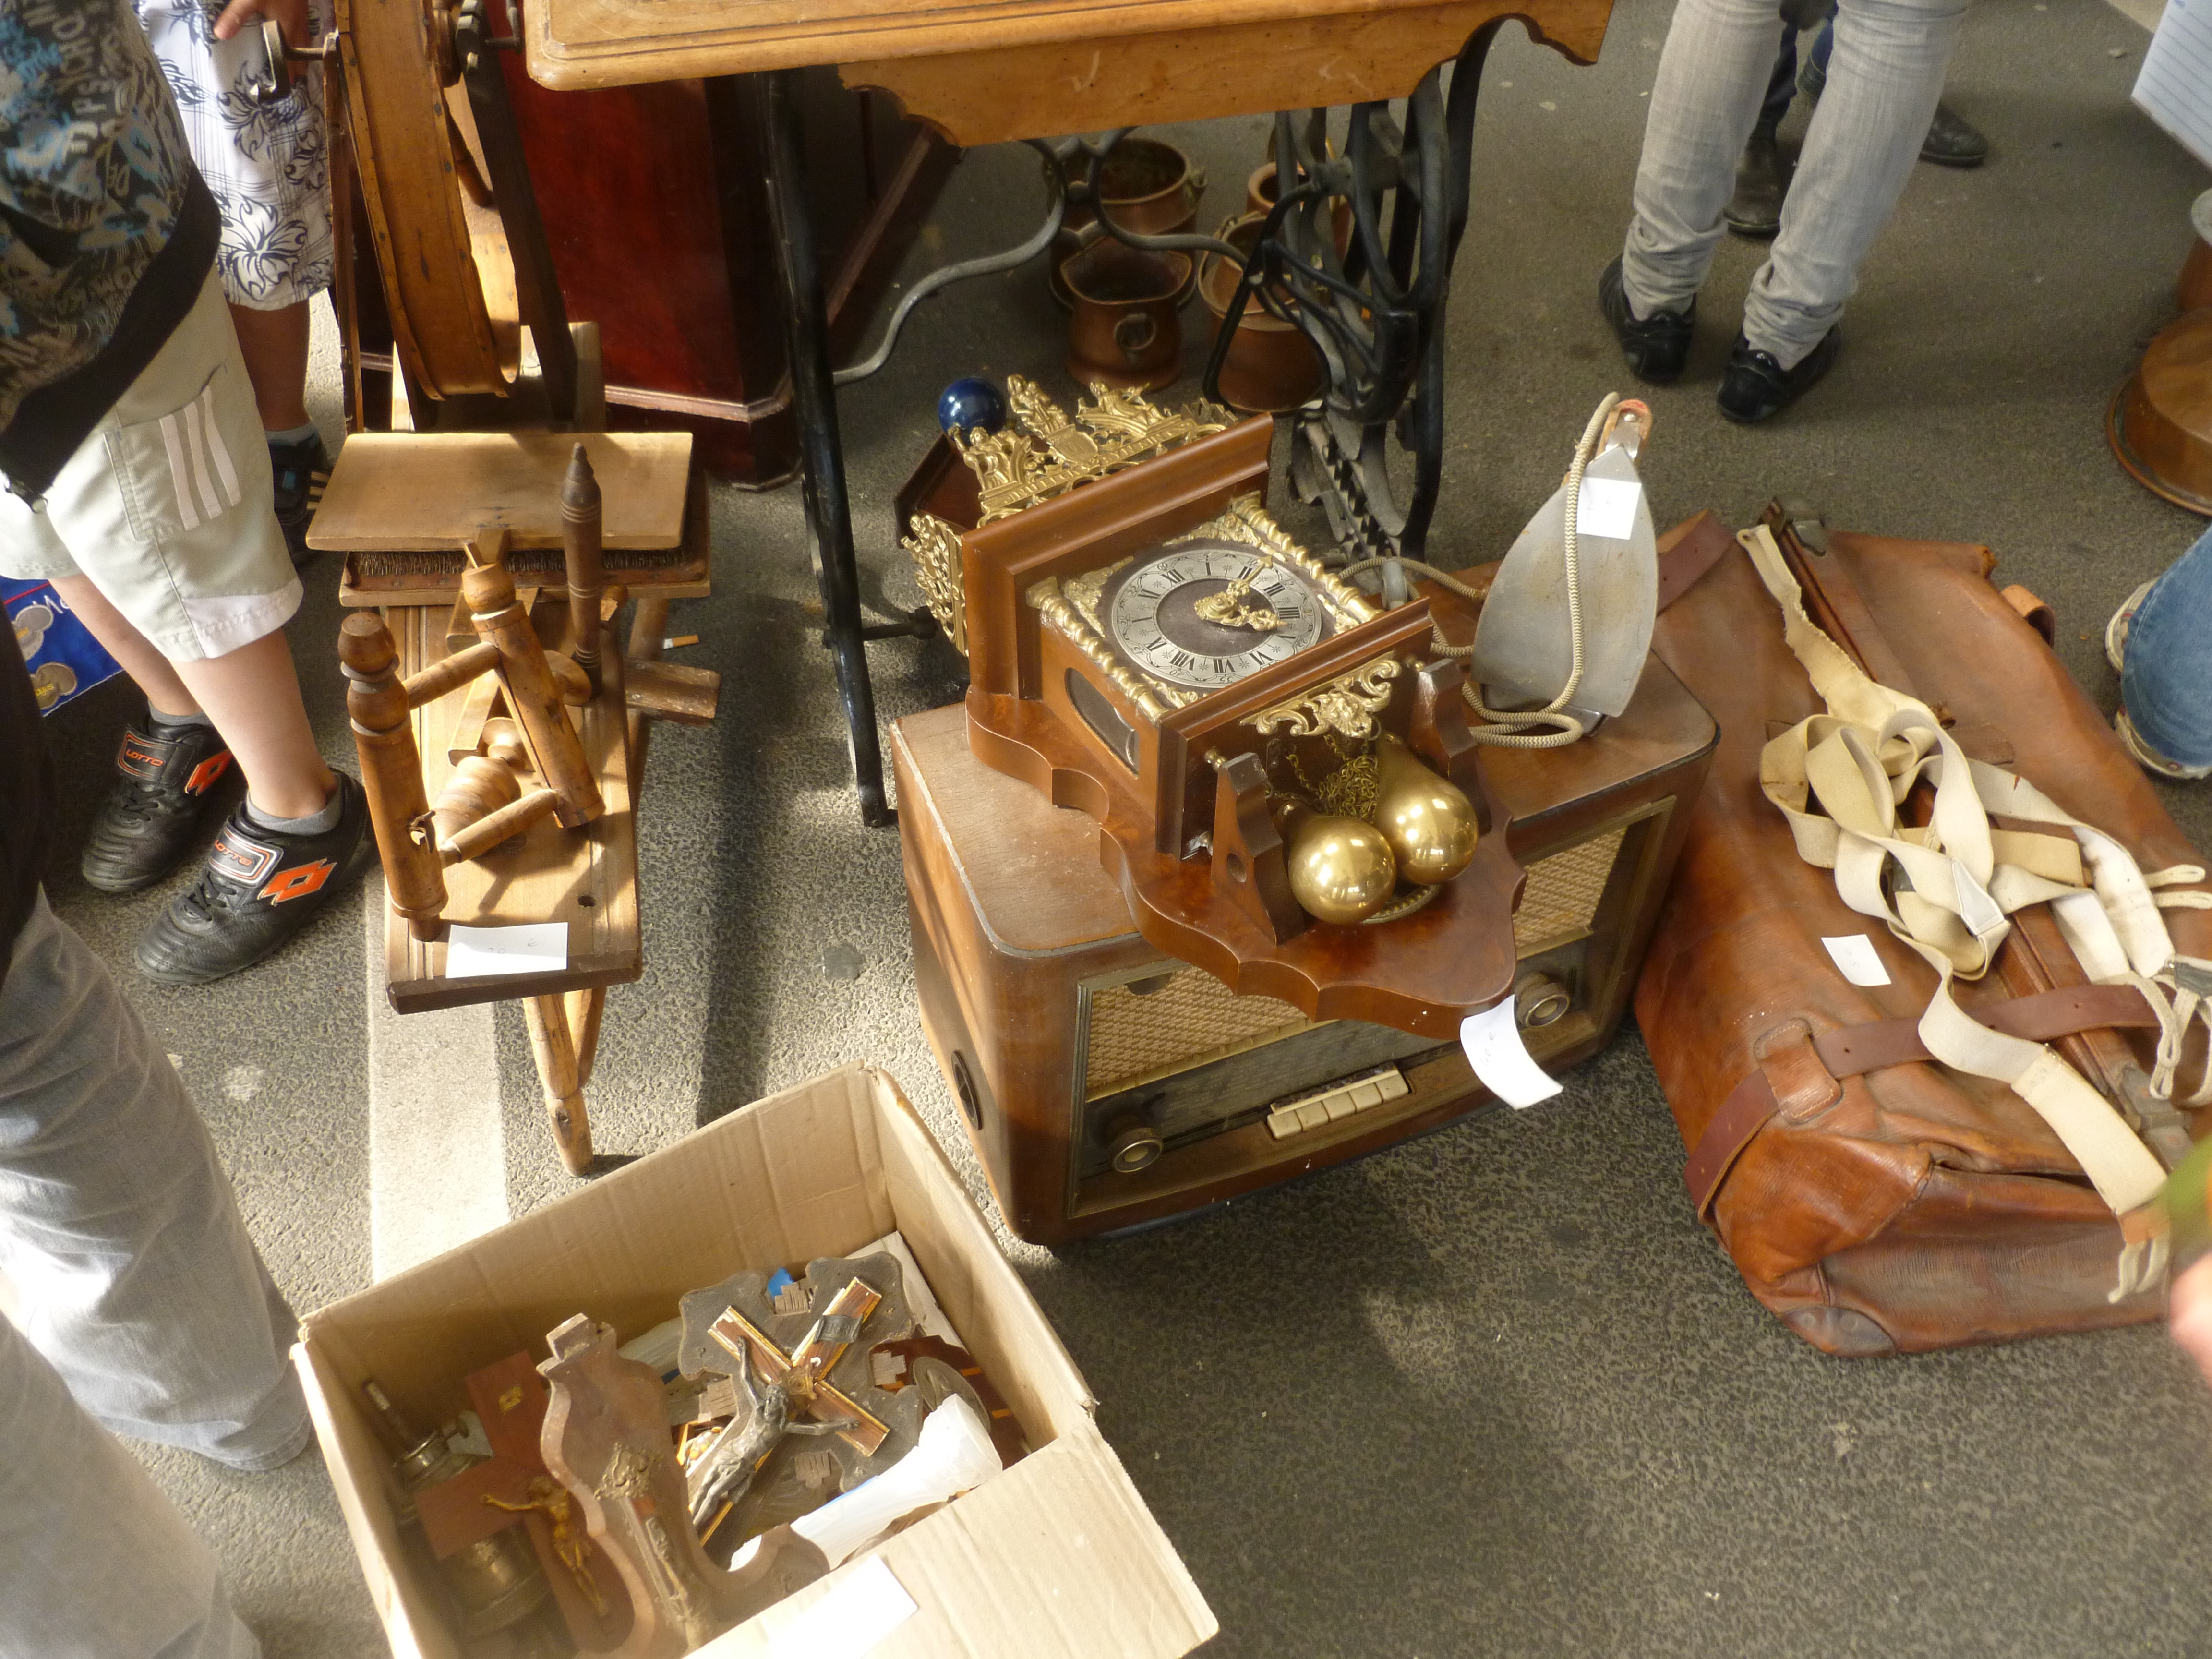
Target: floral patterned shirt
93 176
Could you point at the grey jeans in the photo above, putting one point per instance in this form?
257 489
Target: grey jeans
1884 78
147 1309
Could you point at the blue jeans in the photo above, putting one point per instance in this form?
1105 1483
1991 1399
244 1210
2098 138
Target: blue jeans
1782 85
147 1311
2166 684
1883 84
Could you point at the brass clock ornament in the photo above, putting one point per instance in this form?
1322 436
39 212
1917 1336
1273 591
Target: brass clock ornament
1154 650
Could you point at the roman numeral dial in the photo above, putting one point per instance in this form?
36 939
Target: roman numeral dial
1205 614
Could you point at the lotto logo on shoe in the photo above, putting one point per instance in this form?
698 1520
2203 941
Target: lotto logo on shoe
205 773
245 862
139 760
299 881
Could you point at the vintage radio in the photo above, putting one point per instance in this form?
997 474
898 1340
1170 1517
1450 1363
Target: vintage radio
1106 1085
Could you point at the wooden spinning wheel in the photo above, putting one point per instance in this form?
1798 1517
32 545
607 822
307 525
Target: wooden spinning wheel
450 209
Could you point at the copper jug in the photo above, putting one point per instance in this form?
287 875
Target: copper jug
1124 330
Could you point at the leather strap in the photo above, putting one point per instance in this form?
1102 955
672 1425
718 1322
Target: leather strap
1696 548
1855 1049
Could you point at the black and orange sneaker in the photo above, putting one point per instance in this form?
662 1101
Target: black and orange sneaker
167 775
261 887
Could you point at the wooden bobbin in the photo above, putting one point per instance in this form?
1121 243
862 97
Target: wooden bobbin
579 541
532 690
479 787
391 772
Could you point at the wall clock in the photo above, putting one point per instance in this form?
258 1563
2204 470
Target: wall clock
1154 650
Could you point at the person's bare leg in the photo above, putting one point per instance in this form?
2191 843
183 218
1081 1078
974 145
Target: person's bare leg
156 675
252 694
275 346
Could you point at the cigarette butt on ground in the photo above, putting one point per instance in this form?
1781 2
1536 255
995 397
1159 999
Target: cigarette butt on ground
680 639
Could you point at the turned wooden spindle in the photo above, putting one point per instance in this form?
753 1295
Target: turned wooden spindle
531 689
391 772
579 541
496 828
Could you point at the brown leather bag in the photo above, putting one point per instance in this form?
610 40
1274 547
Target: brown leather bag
1875 1200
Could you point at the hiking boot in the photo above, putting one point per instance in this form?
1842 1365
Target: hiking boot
166 775
1952 141
261 886
1755 209
301 468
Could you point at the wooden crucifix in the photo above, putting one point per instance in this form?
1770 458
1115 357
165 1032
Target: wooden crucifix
511 1398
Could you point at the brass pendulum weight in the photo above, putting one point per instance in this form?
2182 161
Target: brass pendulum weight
1429 824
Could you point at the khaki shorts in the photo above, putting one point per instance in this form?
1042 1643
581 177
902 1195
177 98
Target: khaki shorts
167 506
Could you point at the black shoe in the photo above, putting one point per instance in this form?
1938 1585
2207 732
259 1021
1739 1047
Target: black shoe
260 888
1756 387
142 832
1655 346
1953 141
301 468
1755 209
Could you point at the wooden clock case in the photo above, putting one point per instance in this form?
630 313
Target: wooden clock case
1179 785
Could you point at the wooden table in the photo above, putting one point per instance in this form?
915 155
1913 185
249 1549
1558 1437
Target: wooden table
984 71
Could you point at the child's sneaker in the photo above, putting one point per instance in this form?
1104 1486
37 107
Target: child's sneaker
166 774
302 470
261 887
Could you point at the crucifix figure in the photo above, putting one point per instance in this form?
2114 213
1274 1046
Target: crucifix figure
796 1397
551 1498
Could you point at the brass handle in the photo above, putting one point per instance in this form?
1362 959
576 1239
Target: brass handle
1135 333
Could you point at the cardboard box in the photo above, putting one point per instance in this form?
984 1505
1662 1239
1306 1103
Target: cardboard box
1058 1555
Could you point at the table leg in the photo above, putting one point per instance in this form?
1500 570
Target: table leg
554 1046
773 98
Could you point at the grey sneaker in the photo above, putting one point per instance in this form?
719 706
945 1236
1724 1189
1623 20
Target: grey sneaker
2116 631
2149 759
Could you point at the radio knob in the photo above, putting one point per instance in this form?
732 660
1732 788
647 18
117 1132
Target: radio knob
1539 999
1132 1145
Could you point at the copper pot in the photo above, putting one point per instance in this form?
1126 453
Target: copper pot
1271 367
1124 329
1150 188
1260 198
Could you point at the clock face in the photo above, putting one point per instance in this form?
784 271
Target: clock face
1204 614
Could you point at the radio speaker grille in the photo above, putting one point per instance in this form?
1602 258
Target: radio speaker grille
1194 1018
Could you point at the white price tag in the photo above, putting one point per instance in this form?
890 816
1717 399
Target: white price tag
1855 959
539 947
850 1620
1606 507
1493 1041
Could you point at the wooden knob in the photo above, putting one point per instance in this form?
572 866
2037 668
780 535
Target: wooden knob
365 644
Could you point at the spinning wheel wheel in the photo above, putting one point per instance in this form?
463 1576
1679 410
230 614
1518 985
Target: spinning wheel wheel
450 208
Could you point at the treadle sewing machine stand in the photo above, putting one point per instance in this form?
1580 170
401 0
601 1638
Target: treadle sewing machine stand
1012 70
